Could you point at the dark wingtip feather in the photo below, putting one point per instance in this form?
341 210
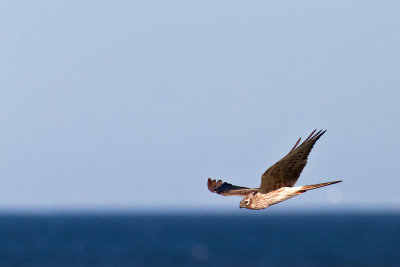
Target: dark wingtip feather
312 138
311 134
209 184
319 134
295 145
316 136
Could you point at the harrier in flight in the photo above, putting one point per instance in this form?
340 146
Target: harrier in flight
277 182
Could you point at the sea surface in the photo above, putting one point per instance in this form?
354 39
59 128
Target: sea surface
200 240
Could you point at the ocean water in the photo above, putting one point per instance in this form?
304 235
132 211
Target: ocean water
200 240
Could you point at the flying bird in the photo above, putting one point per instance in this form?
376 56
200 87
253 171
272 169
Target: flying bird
277 182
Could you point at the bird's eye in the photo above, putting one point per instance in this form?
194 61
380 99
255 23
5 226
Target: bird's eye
247 201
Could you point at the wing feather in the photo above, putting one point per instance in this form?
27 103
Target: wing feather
227 189
286 171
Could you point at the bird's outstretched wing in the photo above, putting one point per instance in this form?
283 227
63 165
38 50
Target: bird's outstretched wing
226 189
286 171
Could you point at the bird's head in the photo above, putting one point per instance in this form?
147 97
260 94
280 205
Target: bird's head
254 201
247 202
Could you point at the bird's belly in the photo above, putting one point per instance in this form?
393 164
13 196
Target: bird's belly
282 194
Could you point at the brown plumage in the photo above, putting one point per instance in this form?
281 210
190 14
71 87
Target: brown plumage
227 189
277 182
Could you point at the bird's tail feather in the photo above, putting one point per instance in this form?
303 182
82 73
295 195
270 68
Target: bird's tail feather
314 186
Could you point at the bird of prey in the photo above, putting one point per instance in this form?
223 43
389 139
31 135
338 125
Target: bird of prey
277 182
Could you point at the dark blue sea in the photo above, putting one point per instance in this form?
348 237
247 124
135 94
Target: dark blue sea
200 240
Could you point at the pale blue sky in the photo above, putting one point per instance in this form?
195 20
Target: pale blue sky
135 103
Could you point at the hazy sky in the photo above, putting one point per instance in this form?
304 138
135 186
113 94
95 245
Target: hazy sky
133 104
